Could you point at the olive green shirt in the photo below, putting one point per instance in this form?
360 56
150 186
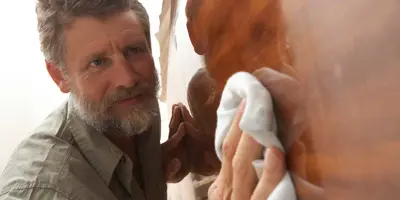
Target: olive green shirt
66 160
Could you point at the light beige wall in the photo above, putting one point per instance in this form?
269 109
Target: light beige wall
183 63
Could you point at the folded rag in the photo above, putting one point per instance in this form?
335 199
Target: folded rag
258 120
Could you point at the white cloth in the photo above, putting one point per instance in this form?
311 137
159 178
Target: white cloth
258 120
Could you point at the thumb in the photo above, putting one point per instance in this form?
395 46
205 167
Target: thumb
284 89
173 168
176 119
289 100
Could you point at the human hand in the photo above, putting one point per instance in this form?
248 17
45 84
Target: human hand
176 165
199 147
203 100
237 178
291 119
187 149
288 102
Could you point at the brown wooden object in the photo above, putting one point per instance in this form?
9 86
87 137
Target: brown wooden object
347 56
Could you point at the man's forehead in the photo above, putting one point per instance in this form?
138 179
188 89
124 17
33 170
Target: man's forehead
87 34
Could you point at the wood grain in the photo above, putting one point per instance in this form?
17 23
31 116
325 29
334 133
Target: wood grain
347 56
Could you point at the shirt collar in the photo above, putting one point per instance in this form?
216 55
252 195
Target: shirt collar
124 173
100 152
105 157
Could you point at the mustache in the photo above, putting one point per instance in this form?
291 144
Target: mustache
123 93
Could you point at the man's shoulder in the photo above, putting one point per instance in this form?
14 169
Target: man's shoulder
45 163
35 163
47 160
44 149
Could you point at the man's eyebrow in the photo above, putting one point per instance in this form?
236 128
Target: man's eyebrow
93 55
136 43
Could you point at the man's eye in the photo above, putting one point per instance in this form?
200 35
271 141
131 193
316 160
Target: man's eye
99 62
135 50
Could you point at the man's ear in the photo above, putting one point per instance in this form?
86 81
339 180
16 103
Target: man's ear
197 43
57 76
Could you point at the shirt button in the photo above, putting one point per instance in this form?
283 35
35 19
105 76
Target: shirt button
123 160
114 150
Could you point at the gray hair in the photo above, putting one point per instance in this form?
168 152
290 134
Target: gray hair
54 15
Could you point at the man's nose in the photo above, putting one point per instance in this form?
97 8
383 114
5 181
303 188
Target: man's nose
124 74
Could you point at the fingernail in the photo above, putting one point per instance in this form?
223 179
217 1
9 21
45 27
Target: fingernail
271 161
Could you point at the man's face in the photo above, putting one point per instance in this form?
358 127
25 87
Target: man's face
110 73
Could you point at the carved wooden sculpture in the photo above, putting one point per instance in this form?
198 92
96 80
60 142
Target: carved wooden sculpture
233 36
202 98
240 36
347 55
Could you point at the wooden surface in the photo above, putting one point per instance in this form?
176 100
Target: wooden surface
347 56
239 38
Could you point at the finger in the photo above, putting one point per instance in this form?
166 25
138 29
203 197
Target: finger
290 71
273 172
173 106
176 119
288 98
213 191
194 132
229 148
233 137
201 152
173 168
174 140
244 176
186 114
284 89
307 190
216 189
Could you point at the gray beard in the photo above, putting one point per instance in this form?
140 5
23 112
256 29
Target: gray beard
135 122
